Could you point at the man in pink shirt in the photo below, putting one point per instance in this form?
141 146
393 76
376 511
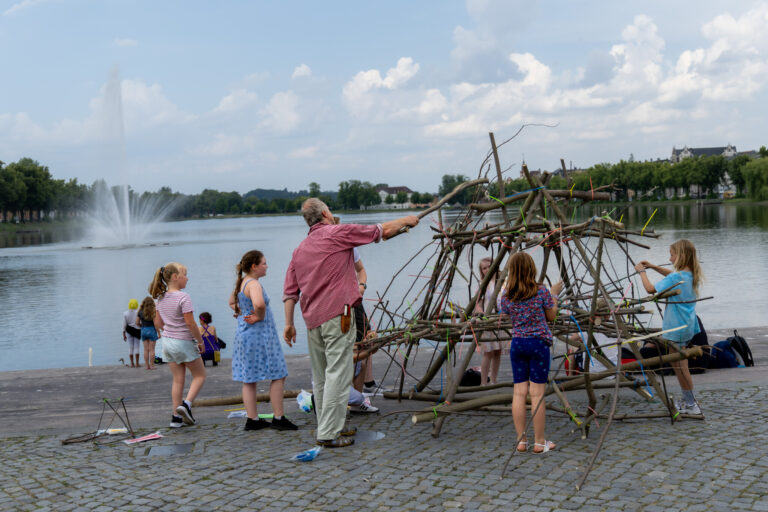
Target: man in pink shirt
321 277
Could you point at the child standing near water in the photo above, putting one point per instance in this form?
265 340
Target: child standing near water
257 354
131 332
491 350
529 306
182 343
680 310
146 316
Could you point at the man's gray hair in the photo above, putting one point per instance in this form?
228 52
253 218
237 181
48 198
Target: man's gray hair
313 209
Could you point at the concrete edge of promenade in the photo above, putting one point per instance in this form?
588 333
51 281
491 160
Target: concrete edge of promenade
69 401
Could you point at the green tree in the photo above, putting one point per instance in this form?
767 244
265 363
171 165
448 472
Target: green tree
451 181
713 169
39 185
390 199
368 195
401 197
13 191
735 172
314 189
756 178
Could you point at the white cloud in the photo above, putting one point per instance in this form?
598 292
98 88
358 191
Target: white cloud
224 145
358 93
306 152
302 70
24 4
146 106
281 112
126 43
236 101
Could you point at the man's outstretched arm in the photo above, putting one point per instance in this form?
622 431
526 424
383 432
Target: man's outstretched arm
393 227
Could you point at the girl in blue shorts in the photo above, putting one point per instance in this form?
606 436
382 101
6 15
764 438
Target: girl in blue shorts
529 306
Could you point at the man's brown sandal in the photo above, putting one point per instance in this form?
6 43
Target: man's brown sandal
339 442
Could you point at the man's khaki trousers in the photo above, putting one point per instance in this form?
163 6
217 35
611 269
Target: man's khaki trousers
330 351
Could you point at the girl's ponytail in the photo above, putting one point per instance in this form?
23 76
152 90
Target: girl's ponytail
159 284
238 282
248 260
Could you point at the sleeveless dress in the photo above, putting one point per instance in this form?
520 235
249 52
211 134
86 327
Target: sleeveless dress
257 354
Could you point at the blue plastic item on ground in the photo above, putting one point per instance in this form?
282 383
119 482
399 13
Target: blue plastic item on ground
308 455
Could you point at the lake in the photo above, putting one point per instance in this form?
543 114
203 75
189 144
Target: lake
60 299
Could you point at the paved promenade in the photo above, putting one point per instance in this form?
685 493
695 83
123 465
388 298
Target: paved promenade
718 464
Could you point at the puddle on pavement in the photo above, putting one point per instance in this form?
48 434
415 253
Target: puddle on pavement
363 436
169 449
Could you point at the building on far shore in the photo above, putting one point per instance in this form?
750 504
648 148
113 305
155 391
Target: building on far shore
389 197
724 190
679 154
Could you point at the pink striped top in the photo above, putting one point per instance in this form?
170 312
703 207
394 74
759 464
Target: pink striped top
321 274
171 307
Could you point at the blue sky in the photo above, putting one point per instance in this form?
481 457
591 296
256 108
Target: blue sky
238 95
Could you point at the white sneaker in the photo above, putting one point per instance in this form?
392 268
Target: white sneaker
364 407
690 409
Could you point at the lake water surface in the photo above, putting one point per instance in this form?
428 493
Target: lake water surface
60 299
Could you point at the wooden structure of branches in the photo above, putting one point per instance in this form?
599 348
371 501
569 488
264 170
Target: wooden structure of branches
424 309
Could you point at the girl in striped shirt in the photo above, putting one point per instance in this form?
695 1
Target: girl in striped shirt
182 342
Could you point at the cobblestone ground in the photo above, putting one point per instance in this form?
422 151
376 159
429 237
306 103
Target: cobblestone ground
718 464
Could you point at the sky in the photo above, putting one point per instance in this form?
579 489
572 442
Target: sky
240 95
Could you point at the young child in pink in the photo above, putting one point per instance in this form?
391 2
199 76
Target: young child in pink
182 342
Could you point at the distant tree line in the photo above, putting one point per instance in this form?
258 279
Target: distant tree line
651 180
29 192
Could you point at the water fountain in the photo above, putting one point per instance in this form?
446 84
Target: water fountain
118 217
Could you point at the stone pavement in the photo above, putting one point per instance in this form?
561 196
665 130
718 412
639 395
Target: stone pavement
718 464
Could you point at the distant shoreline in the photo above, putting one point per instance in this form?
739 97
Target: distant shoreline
49 226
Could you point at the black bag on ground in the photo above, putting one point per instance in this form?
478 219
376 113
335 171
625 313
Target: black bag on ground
701 363
470 378
740 347
652 350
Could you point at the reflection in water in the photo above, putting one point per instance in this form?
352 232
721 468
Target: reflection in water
59 300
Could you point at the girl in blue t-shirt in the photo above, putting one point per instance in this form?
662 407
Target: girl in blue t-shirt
680 310
529 306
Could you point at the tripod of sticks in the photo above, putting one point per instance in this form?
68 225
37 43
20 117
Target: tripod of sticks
537 219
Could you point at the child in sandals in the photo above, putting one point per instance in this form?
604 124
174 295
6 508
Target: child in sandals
530 306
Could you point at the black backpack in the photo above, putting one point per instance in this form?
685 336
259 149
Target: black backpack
470 378
739 345
701 363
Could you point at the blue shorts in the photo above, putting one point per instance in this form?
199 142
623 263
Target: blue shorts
530 360
148 333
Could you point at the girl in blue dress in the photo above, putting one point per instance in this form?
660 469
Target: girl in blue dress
257 353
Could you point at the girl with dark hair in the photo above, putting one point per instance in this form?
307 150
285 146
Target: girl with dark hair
212 350
530 306
257 354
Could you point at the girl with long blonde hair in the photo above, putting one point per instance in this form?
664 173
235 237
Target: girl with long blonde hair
680 311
